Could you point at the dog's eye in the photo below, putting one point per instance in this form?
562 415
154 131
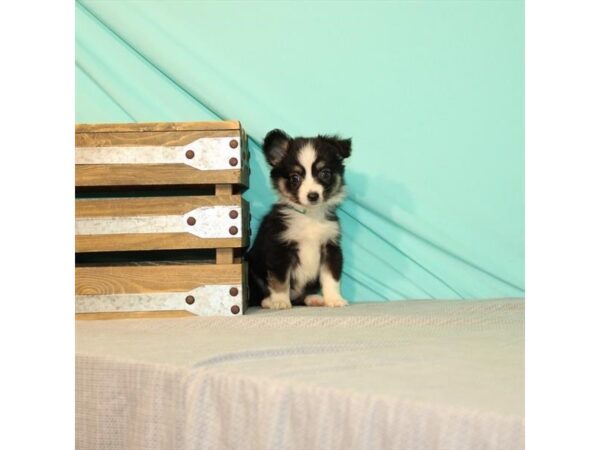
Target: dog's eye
295 179
325 175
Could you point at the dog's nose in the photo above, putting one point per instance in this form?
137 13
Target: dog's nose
313 196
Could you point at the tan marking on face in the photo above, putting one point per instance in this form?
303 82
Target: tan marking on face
320 165
283 190
338 183
337 193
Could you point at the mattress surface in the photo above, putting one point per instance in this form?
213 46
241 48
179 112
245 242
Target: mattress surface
397 375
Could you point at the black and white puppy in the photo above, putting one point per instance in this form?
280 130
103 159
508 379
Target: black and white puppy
297 248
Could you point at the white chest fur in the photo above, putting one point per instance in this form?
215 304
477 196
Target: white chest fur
310 232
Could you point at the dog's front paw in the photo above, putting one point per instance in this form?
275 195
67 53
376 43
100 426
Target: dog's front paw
334 302
276 303
314 300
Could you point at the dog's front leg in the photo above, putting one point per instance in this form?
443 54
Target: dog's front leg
279 288
330 274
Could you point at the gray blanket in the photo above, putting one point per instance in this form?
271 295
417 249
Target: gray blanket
399 375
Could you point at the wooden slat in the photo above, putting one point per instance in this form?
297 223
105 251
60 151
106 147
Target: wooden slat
156 278
223 189
224 256
153 175
150 138
149 206
157 126
152 241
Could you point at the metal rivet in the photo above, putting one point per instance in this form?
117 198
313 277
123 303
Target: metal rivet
233 162
233 214
191 221
233 230
235 309
190 299
189 154
233 143
233 291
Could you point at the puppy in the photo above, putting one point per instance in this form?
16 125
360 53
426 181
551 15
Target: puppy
297 248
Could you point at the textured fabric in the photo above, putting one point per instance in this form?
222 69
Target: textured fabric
431 375
430 91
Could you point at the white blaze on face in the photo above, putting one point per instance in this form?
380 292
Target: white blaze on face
306 158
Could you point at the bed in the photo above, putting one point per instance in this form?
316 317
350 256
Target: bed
423 374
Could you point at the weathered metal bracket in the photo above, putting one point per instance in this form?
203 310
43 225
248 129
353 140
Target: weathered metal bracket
209 300
220 221
216 153
214 221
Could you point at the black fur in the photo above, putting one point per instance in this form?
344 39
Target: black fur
332 256
272 256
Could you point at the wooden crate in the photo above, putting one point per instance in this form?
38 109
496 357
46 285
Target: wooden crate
112 215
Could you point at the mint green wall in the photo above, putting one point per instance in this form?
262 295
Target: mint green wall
430 91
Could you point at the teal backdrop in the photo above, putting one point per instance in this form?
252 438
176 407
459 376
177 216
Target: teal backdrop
431 93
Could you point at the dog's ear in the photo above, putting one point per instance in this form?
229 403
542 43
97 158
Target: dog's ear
276 145
343 147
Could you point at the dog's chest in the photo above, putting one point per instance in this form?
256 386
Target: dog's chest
310 234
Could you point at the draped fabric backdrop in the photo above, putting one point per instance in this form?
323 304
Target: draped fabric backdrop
431 93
